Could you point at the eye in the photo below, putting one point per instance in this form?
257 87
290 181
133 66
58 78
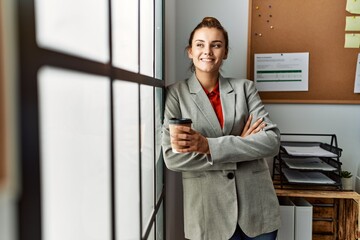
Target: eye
216 45
200 45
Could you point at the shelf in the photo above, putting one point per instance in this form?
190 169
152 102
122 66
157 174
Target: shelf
308 164
318 194
336 213
308 151
297 177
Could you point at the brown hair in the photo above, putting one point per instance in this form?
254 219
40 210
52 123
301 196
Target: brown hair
208 22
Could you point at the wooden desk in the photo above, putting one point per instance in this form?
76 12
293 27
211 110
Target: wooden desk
336 213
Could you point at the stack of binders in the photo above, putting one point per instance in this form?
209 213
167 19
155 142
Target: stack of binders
296 219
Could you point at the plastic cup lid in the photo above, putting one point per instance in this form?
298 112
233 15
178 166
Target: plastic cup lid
179 120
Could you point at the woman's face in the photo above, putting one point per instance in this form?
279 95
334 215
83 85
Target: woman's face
207 50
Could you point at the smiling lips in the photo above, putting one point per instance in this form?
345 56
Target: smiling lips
206 59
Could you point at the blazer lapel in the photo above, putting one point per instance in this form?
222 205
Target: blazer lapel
203 103
227 95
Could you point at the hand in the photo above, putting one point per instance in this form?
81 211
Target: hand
255 128
190 140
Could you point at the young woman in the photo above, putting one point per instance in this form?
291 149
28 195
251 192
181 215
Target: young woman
228 191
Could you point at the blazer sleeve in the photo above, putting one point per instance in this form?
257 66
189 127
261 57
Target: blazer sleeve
183 161
265 143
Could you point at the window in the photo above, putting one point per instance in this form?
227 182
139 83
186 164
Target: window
91 114
2 113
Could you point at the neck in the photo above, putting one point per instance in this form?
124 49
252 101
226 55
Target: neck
208 80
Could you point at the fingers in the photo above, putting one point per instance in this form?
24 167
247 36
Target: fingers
181 136
259 128
198 146
245 130
181 142
181 133
255 128
190 141
256 125
184 129
248 122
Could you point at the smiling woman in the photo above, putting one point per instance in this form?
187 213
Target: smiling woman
221 155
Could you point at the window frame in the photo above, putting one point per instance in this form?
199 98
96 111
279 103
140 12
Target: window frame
2 109
31 59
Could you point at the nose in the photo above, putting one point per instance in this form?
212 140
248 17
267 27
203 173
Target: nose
208 51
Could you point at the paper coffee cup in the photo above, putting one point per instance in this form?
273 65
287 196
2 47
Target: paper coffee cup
176 122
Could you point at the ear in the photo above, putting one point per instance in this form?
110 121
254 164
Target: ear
226 55
189 51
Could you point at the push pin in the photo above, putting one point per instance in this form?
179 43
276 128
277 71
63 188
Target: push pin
257 7
272 27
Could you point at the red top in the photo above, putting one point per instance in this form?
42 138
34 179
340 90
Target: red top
215 101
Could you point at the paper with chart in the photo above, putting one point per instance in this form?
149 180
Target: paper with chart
281 71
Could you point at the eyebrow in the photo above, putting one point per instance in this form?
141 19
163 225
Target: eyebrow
215 41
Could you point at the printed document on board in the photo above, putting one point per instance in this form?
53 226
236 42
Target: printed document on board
281 71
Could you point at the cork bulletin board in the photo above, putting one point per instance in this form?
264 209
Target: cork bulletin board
317 27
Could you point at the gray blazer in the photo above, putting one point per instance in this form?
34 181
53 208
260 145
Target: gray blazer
214 203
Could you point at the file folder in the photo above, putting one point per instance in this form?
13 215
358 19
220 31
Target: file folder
287 215
303 219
